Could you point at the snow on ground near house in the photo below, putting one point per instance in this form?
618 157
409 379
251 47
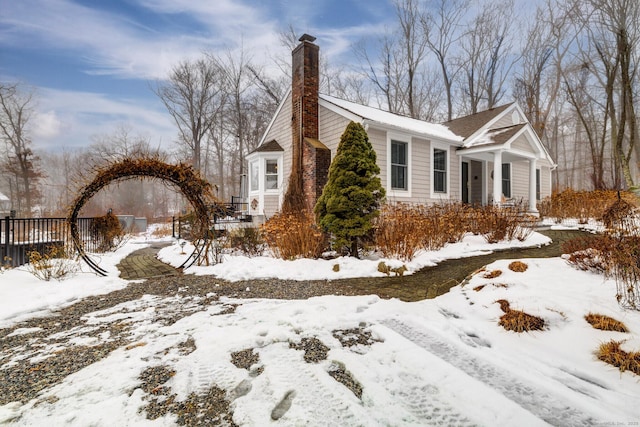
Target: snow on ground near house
235 268
22 296
435 362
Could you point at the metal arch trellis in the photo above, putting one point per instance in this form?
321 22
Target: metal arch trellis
195 189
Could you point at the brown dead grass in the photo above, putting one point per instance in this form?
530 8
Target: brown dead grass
162 230
612 354
478 288
492 274
605 323
517 320
518 266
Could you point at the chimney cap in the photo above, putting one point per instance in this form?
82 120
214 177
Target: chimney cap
307 38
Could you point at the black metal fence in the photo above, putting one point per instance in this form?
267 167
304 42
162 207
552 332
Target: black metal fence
20 236
234 212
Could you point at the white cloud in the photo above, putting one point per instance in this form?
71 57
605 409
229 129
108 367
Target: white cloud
81 115
46 125
112 44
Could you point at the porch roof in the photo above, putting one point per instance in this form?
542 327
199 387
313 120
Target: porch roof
270 146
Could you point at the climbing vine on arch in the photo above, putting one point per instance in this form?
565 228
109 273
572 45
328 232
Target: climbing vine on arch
195 189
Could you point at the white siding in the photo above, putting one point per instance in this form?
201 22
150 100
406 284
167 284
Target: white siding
521 144
420 169
520 181
331 126
281 132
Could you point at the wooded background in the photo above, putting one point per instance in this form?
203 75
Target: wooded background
572 66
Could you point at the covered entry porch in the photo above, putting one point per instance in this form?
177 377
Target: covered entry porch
517 177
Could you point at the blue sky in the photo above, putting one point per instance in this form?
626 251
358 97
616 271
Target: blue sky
91 62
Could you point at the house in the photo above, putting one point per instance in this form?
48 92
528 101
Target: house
420 162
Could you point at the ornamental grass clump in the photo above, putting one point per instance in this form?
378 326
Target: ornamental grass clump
518 266
605 323
294 235
518 321
612 354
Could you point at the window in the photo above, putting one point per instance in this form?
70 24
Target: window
255 177
271 175
506 180
537 184
439 171
399 165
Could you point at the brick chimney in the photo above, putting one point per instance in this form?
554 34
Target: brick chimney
311 158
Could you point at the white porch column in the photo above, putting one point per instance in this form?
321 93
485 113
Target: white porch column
532 186
497 177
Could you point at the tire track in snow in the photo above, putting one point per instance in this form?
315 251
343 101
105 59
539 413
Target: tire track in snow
543 404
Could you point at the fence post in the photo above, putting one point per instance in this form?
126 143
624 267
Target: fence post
173 227
7 229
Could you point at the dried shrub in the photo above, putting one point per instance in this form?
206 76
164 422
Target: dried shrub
162 230
53 263
246 240
624 267
517 320
518 266
5 264
107 232
612 354
399 230
402 229
589 253
619 218
605 323
496 223
294 235
492 274
581 205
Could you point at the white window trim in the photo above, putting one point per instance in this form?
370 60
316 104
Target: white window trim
394 192
261 159
263 173
445 147
252 163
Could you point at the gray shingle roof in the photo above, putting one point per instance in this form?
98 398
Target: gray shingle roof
468 125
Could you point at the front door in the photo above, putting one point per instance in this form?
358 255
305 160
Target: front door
465 182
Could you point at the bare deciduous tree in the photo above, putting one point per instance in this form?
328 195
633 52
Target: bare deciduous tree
443 29
485 58
193 95
19 162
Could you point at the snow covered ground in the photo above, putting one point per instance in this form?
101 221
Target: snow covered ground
435 362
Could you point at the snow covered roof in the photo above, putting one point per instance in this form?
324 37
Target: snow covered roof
376 115
493 136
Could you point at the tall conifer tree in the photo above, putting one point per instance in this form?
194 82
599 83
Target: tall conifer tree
351 199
